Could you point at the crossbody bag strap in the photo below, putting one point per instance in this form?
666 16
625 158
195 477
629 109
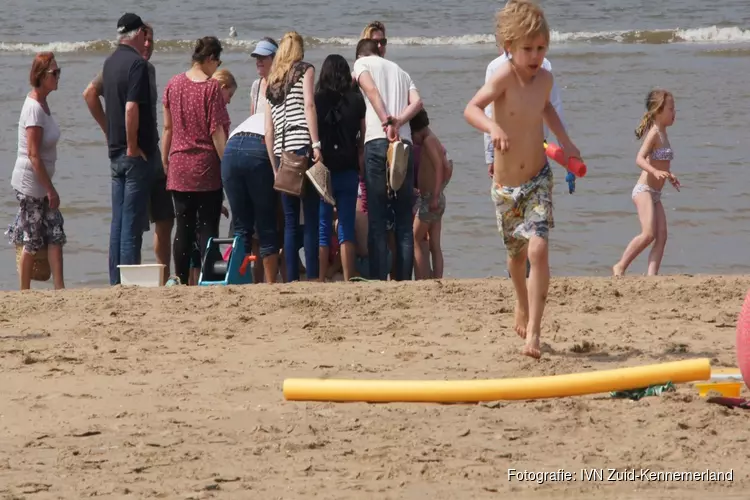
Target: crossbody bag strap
283 129
257 96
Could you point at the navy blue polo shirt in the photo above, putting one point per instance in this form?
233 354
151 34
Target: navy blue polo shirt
126 79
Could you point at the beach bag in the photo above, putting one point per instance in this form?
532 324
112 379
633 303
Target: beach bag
41 270
290 179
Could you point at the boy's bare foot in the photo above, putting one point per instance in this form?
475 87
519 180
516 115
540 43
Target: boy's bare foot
617 270
522 319
532 348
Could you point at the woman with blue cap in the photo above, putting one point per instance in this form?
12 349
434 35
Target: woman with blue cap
248 176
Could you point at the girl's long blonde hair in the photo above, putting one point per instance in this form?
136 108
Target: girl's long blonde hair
291 50
655 102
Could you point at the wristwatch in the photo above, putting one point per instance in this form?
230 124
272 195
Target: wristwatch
388 121
316 145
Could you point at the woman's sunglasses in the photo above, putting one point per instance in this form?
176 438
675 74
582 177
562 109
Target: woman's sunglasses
55 72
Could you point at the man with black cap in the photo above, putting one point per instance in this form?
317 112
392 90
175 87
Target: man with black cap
160 209
132 140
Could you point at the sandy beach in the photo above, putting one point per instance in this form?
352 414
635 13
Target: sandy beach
176 393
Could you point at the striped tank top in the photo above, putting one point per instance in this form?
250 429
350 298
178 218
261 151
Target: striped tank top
289 117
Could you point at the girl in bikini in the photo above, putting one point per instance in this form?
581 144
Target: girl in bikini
654 158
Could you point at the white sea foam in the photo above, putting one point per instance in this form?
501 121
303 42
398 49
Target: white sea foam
707 35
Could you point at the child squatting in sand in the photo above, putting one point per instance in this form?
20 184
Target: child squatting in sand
654 158
522 180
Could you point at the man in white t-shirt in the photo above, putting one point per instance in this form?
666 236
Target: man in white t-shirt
392 100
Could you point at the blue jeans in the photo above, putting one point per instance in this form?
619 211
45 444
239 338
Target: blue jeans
377 208
344 184
131 187
293 232
247 175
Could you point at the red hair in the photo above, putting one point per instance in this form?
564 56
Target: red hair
41 64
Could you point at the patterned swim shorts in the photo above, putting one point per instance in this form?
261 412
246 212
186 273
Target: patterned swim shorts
423 206
524 211
36 224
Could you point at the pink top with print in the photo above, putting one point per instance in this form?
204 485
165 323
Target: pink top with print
197 110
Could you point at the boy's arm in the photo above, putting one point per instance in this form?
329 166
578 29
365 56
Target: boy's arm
555 98
490 92
553 121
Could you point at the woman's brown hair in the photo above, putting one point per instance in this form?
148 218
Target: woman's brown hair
40 66
208 47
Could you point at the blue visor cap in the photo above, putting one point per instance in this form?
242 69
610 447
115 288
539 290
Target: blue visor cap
263 49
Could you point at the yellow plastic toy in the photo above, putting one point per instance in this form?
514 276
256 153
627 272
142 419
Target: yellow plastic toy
466 391
727 389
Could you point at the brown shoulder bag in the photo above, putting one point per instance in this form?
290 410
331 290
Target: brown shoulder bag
290 179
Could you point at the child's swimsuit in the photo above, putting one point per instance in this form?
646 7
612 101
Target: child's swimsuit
645 188
524 211
662 154
659 154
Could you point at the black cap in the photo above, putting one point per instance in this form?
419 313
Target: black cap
129 22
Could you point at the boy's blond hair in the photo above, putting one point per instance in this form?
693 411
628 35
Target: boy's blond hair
225 78
520 19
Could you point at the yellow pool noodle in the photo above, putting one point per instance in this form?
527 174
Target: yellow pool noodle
466 391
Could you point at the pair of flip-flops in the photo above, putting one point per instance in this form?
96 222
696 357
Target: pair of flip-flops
397 163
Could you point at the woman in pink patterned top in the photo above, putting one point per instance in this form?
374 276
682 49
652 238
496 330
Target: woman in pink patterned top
196 126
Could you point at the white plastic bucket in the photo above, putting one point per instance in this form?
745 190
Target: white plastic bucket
148 275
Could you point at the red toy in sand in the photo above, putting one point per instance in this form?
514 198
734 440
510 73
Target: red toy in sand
743 340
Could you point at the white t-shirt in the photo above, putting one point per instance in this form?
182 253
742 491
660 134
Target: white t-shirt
23 179
255 124
394 85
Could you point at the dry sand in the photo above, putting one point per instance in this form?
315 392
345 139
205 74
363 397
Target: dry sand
176 393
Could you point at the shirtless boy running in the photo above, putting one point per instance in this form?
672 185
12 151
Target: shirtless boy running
522 181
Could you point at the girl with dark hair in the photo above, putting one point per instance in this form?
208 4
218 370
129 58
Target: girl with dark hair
196 126
341 126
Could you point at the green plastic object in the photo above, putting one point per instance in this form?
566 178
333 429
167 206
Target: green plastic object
636 394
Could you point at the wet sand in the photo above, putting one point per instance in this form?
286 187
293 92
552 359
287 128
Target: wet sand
176 393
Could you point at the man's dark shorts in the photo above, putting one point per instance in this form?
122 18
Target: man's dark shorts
160 205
